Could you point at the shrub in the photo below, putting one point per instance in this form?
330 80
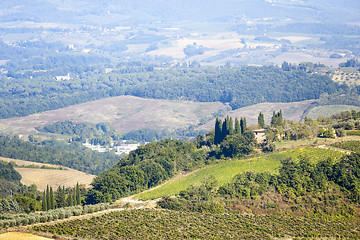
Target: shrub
31 219
61 214
43 218
270 147
340 132
11 222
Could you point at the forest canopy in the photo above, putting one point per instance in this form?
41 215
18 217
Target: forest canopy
239 87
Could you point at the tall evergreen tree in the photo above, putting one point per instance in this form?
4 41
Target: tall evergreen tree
52 199
60 197
218 131
69 200
280 117
237 126
44 202
48 204
277 118
231 127
243 125
273 119
224 129
77 190
261 120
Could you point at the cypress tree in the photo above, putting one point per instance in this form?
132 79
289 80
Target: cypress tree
245 125
44 202
218 131
273 119
69 199
60 197
261 120
231 127
78 200
224 129
237 126
73 197
48 204
242 125
52 199
280 117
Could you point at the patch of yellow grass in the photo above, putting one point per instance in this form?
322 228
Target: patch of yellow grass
54 178
20 236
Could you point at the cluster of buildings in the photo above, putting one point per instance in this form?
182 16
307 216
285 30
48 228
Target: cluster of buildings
119 149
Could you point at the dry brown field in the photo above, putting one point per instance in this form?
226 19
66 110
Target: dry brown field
126 113
54 178
20 236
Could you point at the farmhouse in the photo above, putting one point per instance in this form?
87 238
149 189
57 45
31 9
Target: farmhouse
260 135
63 78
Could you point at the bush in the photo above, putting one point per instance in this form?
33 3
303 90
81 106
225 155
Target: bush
270 147
31 219
61 214
340 132
5 223
12 222
43 218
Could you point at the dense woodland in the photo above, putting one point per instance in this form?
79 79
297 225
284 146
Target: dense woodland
237 86
101 133
59 153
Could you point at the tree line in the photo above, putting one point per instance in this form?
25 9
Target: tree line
72 155
239 87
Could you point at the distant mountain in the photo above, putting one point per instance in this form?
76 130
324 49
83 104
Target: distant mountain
141 11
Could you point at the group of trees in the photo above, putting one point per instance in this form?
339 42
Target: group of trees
101 133
10 206
7 172
228 127
61 198
145 167
73 155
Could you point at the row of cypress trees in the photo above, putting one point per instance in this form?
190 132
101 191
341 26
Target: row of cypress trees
228 127
60 198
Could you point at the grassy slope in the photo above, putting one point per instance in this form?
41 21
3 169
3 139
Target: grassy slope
226 170
55 178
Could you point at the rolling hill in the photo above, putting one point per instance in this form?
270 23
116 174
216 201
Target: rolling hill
126 113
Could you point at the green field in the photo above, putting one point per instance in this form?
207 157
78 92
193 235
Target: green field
224 172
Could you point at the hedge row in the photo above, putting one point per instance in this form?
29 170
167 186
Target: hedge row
22 219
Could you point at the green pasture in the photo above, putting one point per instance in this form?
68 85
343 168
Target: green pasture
224 171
